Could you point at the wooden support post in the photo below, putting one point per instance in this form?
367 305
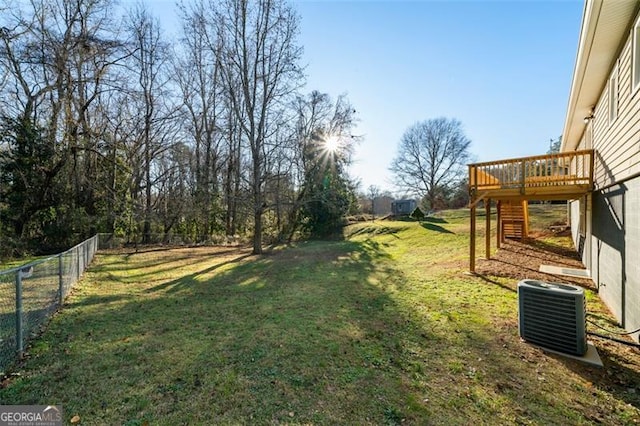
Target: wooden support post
525 218
487 237
472 238
498 226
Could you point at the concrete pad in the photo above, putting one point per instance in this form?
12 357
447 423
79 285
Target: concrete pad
567 272
591 357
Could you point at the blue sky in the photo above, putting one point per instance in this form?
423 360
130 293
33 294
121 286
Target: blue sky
503 68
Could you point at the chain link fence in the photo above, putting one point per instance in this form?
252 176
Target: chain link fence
110 241
30 293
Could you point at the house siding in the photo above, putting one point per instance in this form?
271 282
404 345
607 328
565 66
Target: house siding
612 225
617 144
403 207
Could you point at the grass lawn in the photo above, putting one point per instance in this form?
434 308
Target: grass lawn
382 327
14 263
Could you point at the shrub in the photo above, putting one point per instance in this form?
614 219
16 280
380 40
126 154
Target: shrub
417 214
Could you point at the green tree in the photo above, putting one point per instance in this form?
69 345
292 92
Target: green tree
330 198
261 74
323 152
417 214
29 184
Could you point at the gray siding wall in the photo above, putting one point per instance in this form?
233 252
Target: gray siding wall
615 253
613 224
617 143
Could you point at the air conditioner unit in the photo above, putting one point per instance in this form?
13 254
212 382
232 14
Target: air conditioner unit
553 316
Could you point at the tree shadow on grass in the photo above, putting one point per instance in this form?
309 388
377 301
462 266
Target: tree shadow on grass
376 230
96 300
176 254
618 377
320 333
488 279
436 228
188 280
257 340
522 260
434 219
559 250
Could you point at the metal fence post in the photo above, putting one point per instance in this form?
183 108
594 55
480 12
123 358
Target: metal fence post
25 317
19 343
77 253
60 280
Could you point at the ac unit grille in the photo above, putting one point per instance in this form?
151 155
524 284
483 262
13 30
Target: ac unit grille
553 316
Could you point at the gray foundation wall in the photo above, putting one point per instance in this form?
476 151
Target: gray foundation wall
615 249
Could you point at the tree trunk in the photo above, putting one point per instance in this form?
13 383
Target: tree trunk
257 232
258 203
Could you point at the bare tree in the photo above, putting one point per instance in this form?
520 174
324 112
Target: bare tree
232 179
149 63
131 140
173 196
431 158
261 71
197 74
56 59
373 192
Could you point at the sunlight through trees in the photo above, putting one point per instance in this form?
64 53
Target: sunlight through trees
108 126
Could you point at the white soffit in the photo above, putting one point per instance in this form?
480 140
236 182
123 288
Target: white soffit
605 27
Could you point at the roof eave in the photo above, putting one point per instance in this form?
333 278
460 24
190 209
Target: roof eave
605 26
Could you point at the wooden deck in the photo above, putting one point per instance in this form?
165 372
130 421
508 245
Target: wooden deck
560 176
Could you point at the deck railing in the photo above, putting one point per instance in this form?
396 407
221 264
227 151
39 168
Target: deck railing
560 169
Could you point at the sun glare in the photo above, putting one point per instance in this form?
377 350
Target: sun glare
331 144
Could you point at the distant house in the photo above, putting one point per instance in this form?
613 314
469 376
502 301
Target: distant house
598 167
403 207
382 205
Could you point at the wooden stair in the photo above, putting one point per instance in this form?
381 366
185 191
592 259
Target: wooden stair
514 219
